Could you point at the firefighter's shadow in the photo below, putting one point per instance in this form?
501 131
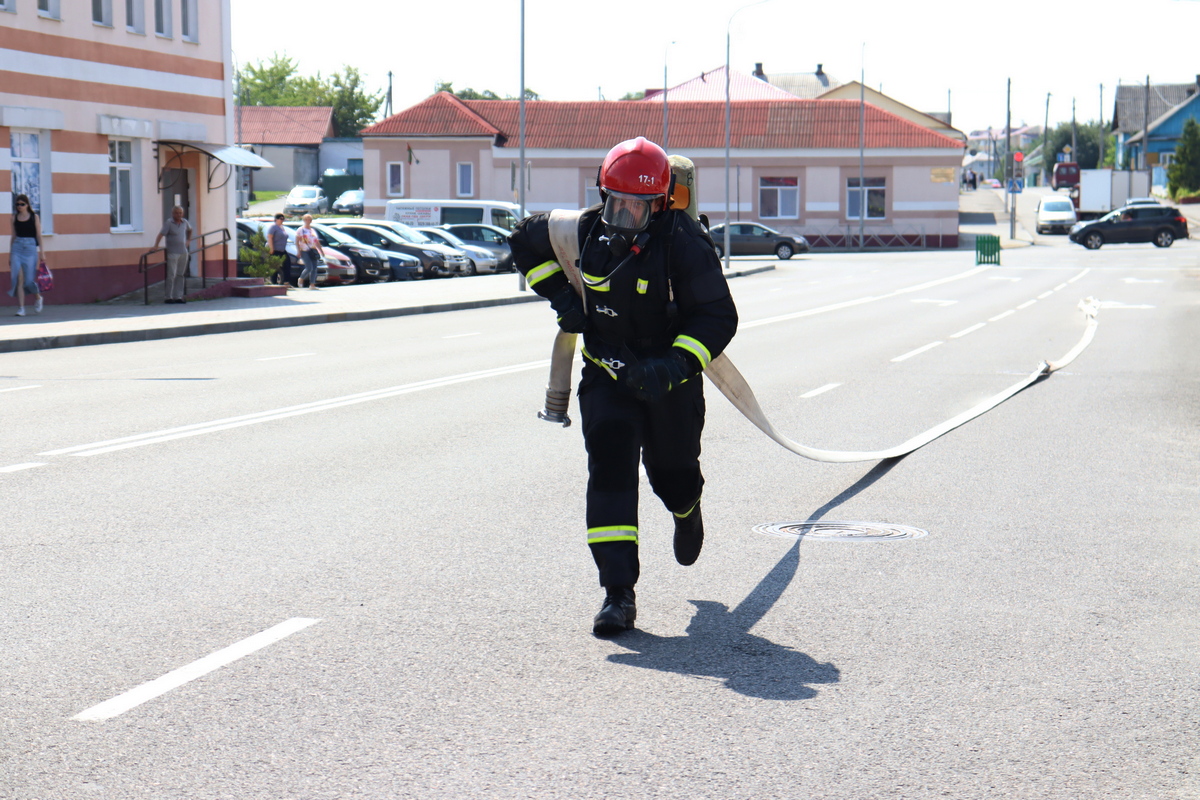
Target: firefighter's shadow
718 644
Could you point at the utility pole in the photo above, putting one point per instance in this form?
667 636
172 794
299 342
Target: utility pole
1146 126
1074 131
1100 160
1047 165
521 124
862 145
387 106
1008 176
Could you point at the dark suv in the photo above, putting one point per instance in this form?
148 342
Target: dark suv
1143 222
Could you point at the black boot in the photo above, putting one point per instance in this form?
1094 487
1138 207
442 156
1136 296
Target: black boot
618 612
689 535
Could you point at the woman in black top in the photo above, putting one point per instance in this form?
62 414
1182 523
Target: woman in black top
25 254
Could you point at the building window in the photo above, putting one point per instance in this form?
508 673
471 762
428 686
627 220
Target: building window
49 8
187 20
135 16
162 17
1165 159
102 12
120 184
778 198
876 198
591 196
27 167
395 178
7 5
466 179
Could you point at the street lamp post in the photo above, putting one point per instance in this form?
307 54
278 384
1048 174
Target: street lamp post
665 49
728 26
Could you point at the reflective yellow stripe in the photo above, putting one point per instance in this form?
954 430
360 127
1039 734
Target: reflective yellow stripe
613 533
542 271
642 285
687 513
694 347
596 284
599 364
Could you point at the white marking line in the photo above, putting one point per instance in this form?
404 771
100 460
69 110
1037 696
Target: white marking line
999 278
999 317
460 335
965 331
938 303
1080 275
21 388
19 467
821 390
860 301
1118 304
1044 295
916 352
276 358
96 448
1026 305
178 677
1142 280
1060 287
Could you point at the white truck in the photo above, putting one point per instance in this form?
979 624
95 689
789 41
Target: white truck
419 213
1102 190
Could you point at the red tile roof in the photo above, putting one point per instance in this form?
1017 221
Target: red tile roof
597 125
284 124
711 86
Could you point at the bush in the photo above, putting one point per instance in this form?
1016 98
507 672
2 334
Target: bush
258 259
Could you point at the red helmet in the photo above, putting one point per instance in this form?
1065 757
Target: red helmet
636 166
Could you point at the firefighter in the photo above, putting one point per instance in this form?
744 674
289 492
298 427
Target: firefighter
657 312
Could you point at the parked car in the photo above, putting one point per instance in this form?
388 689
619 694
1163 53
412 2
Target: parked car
350 202
1137 223
491 237
753 239
1055 213
404 266
370 264
479 259
245 231
306 200
437 260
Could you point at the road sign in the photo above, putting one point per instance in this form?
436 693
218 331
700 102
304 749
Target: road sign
1015 185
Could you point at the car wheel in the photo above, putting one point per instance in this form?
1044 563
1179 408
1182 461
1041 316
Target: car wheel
1164 238
471 268
1093 241
720 252
784 251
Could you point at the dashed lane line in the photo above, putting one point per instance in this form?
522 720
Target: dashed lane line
19 467
965 331
916 352
278 358
1002 315
21 388
819 390
1026 305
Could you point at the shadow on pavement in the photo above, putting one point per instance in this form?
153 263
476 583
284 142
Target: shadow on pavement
718 643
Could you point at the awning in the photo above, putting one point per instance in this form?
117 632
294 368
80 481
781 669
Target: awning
218 154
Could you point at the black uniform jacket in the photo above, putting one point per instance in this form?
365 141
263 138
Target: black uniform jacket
632 316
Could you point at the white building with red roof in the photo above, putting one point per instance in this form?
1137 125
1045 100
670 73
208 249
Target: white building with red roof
290 137
794 162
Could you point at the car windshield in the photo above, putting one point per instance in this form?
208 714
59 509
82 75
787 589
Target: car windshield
411 234
1111 216
445 236
1057 205
350 197
304 193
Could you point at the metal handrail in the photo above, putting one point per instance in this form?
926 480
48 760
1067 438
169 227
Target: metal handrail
144 265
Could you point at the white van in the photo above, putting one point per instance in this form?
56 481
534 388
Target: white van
419 213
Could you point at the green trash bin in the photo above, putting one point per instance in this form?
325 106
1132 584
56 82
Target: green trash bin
987 249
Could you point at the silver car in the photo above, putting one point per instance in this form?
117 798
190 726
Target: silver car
306 200
479 259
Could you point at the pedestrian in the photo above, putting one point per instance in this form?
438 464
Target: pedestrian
308 245
25 255
656 310
177 231
277 238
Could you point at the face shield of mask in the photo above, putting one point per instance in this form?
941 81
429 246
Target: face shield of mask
627 213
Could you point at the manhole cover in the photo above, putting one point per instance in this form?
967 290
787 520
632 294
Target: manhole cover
841 531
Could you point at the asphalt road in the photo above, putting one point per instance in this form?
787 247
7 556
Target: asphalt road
384 492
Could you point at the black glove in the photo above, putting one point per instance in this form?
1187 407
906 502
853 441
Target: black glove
652 378
570 310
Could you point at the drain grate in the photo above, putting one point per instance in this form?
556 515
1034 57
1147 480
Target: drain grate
831 531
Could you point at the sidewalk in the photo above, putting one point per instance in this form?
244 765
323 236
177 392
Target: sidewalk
982 212
130 320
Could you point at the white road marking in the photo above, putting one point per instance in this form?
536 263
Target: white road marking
860 301
460 335
19 467
820 390
917 352
276 358
1002 278
1026 305
1142 280
1080 275
1060 287
22 388
96 448
1044 295
1118 304
176 678
965 331
999 317
938 303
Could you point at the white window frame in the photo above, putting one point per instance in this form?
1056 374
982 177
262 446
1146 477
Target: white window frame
42 202
868 190
49 9
135 15
8 5
189 29
470 176
162 18
133 169
388 183
1165 159
105 7
591 196
779 194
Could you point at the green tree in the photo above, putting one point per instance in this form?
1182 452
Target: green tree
1087 144
486 94
353 108
1183 173
634 95
258 259
276 82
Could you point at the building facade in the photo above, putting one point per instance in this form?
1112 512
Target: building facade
112 112
794 163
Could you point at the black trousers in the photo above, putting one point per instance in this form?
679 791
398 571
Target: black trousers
285 269
618 428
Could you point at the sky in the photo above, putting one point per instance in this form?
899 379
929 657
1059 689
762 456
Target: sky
925 53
